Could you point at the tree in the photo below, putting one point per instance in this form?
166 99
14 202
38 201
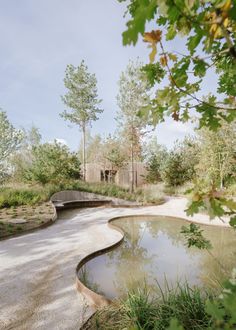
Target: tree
82 99
155 158
22 159
115 153
173 172
133 88
209 28
10 140
52 162
217 159
189 149
33 136
209 31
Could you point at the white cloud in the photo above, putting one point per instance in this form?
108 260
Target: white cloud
61 141
182 128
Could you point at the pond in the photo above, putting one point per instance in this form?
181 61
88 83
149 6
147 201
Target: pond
154 251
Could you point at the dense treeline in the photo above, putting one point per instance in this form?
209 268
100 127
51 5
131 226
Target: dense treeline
209 156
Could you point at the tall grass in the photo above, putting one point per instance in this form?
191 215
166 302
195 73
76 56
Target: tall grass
141 311
16 195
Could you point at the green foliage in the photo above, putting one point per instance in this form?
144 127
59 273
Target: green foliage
194 237
173 172
209 31
82 99
22 159
217 162
141 11
52 163
132 96
114 153
10 140
81 96
183 308
155 73
139 310
153 168
232 222
209 28
17 197
35 194
223 309
214 201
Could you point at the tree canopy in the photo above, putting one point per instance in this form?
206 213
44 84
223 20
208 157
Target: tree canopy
208 30
82 99
10 140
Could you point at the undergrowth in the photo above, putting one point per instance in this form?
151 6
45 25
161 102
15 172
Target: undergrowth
16 195
140 311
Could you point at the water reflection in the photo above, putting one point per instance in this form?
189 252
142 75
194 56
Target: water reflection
154 251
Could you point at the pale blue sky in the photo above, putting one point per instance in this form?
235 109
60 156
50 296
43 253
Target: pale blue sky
39 38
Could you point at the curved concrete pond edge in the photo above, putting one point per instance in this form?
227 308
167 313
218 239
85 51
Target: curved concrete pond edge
69 199
97 300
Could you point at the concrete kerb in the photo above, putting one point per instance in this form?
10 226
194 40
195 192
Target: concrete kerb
173 208
94 299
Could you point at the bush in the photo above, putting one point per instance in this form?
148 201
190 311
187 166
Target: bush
52 163
31 195
17 197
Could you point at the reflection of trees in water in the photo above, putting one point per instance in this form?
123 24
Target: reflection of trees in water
216 268
87 279
171 228
134 265
222 239
132 259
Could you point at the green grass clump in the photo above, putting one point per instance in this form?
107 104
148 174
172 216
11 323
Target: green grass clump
16 197
140 311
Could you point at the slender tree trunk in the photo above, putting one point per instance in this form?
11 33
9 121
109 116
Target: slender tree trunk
132 168
84 152
221 173
221 181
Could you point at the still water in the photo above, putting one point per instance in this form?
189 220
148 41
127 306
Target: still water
154 251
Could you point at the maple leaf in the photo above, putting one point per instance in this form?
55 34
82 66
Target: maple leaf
152 38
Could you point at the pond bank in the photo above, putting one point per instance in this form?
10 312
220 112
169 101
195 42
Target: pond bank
37 276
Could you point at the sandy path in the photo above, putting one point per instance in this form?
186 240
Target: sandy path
37 270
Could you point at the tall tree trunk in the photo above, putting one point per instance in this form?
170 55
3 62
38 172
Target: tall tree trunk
84 152
132 168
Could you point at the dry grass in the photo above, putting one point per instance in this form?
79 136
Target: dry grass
35 216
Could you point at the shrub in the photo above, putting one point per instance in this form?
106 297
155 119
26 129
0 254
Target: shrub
174 172
11 197
52 163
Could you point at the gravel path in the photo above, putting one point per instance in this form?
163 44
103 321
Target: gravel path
37 270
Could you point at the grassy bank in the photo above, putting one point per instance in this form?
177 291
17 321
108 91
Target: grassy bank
139 311
22 194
